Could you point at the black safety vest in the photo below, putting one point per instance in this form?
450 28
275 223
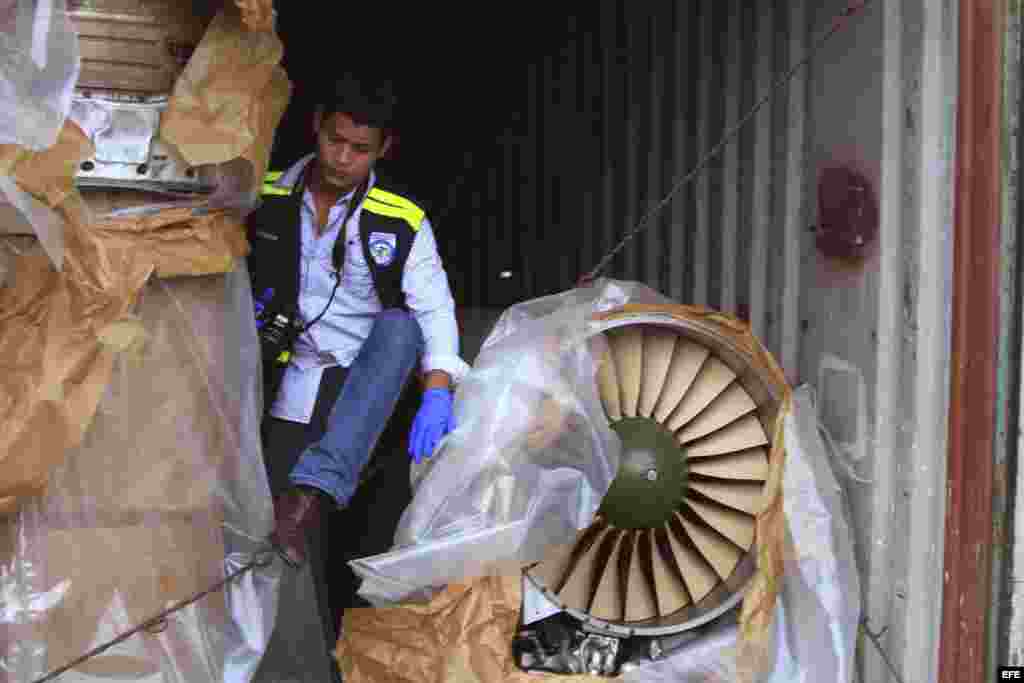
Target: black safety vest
387 228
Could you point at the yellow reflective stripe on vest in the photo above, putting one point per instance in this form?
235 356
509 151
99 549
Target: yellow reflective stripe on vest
385 197
388 204
377 201
275 190
270 188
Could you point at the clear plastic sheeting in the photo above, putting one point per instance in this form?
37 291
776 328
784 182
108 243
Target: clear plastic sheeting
164 497
530 460
822 592
819 605
39 66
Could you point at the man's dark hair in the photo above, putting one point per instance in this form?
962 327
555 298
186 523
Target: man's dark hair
370 102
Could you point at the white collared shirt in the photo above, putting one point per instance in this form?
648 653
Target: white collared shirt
341 332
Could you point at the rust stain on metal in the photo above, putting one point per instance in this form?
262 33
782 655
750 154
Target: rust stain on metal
971 470
847 229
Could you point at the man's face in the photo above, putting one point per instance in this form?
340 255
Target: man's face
346 151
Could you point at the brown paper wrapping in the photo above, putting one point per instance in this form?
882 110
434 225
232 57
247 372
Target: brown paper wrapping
12 247
175 242
463 635
227 102
54 364
266 113
49 175
59 331
257 15
105 201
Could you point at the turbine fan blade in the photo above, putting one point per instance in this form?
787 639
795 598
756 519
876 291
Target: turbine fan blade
552 569
741 435
608 384
687 360
739 495
719 553
734 525
659 345
751 465
627 350
609 601
729 406
668 583
647 578
712 380
640 600
583 576
699 576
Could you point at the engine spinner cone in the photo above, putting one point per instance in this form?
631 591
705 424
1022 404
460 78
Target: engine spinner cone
652 476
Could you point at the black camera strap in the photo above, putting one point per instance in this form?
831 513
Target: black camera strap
338 253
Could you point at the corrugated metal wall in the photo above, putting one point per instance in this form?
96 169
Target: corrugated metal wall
634 96
675 77
629 102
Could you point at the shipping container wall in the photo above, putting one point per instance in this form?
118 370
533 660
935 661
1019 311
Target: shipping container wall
875 329
826 223
1007 613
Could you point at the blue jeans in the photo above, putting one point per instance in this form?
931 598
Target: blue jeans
374 384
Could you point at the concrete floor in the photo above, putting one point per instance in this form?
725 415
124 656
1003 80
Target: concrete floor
298 651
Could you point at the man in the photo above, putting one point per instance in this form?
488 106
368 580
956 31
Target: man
361 265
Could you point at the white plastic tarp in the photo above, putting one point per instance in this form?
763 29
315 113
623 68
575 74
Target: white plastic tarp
530 460
39 66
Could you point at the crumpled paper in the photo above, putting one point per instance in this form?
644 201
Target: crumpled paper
227 103
463 634
34 185
54 365
11 247
257 15
55 351
48 175
170 473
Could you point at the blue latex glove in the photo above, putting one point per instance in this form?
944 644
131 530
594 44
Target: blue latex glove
433 421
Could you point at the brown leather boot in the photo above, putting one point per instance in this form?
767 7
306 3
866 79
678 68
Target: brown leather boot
297 510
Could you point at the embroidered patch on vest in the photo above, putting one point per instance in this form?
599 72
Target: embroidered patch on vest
383 246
